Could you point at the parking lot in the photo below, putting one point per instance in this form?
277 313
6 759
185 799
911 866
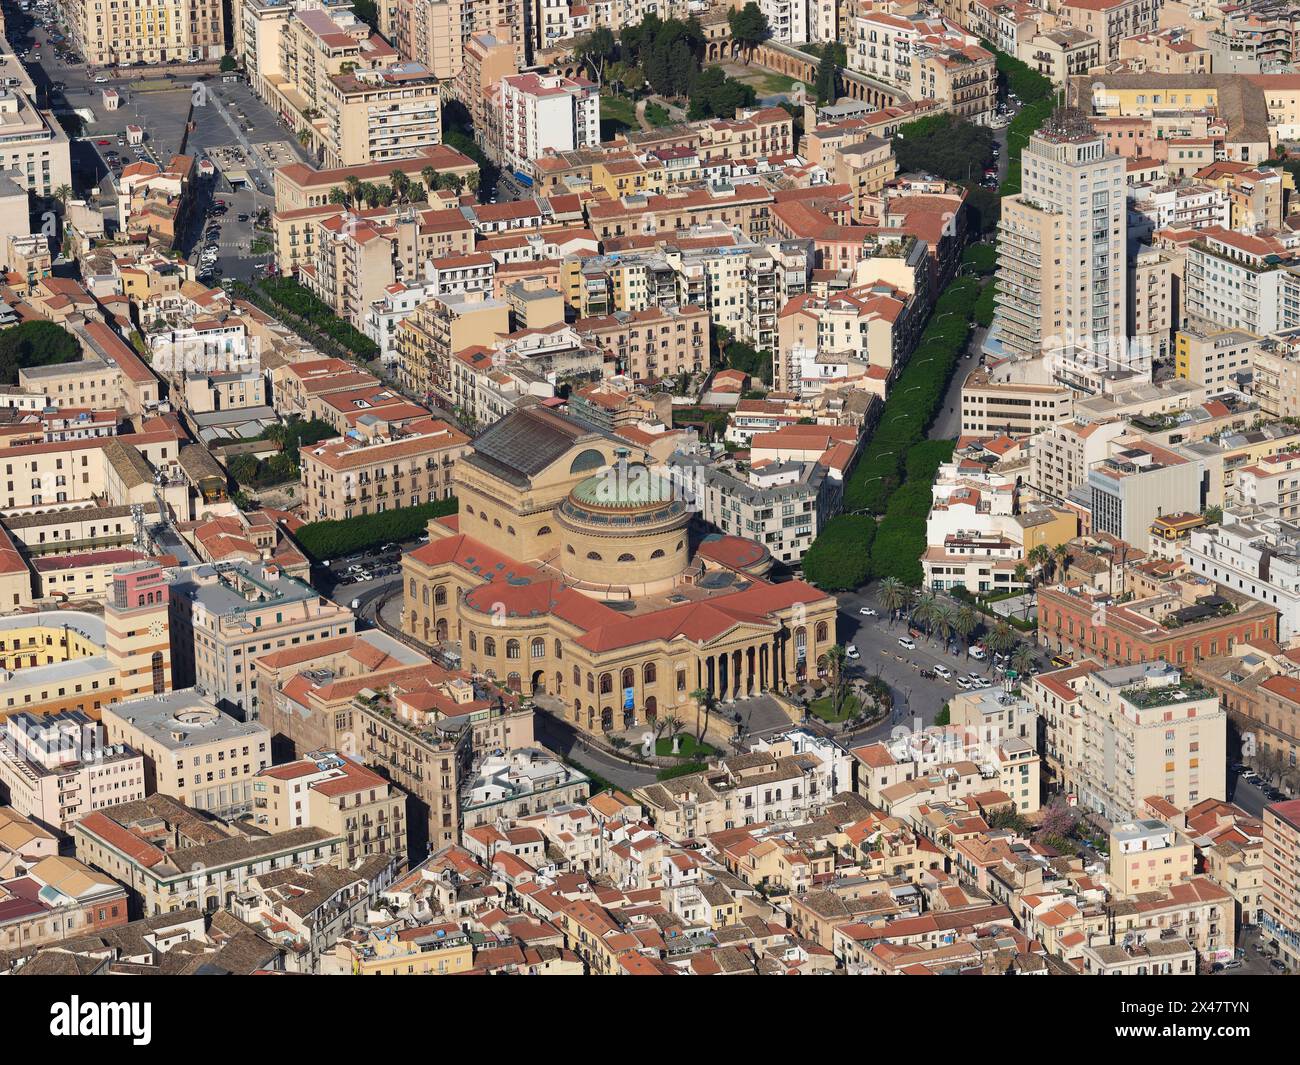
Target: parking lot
225 115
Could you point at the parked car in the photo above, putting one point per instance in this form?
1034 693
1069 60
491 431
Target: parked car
867 611
943 671
978 653
851 651
963 682
907 643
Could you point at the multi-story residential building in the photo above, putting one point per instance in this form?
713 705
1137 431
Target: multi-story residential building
334 792
1070 210
1061 456
989 407
1219 358
1110 21
192 751
34 149
544 111
1257 558
780 505
1136 484
1272 483
1139 730
1276 380
1281 918
1149 855
225 615
339 86
524 782
57 768
58 898
1241 281
927 56
654 343
109 34
438 329
1061 53
378 468
171 857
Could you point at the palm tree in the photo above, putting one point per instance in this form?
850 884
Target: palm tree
704 700
1041 557
963 624
835 659
892 595
429 176
399 182
944 619
353 185
1022 661
1001 639
339 196
672 724
1020 574
924 610
472 180
1062 554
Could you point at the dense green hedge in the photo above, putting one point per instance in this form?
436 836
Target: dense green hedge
900 539
34 343
325 540
985 305
914 399
307 316
840 557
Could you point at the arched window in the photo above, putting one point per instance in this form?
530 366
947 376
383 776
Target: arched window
648 674
496 522
489 646
657 553
629 678
440 595
679 545
577 676
159 677
559 650
539 648
591 683
424 595
483 516
590 459
594 556
468 509
569 548
606 683
412 587
512 648
473 640
510 529
626 557
545 530
514 683
822 631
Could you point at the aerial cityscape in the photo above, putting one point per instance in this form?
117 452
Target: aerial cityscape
649 487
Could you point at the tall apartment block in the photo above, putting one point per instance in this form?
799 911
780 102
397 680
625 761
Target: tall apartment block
1062 274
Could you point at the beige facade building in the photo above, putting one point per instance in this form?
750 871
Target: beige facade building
109 34
192 751
1070 211
1116 736
441 327
1281 918
170 858
1148 855
990 407
333 792
385 468
227 614
601 603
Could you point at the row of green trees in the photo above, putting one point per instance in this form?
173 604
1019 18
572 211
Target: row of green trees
307 316
325 540
914 399
355 193
840 558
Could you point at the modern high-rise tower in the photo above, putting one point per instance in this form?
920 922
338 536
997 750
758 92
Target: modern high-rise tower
1061 246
